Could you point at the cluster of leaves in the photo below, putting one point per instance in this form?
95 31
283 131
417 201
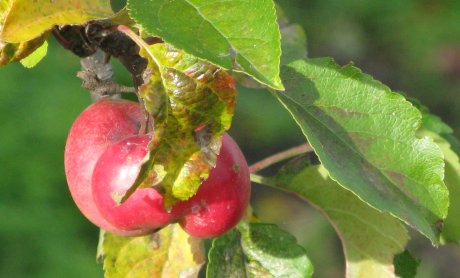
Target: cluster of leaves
385 161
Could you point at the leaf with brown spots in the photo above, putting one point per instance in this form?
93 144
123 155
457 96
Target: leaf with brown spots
192 103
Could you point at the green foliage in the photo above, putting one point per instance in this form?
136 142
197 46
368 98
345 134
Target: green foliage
451 225
370 238
35 57
258 250
365 137
406 265
238 35
167 253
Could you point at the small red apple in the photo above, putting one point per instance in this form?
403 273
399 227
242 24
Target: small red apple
114 173
216 208
222 199
96 128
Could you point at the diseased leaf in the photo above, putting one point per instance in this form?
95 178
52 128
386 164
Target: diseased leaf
370 238
364 134
233 34
167 253
35 57
192 103
258 250
12 52
26 20
406 265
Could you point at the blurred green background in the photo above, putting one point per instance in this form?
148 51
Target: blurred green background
412 46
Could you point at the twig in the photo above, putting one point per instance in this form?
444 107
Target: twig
264 163
97 76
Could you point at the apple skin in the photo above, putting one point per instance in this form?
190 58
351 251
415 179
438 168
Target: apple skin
96 128
217 207
114 173
222 199
103 144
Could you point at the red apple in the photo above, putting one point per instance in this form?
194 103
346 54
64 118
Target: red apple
96 128
114 173
222 199
216 208
103 157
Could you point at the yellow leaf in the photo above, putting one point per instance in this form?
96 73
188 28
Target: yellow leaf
26 20
168 253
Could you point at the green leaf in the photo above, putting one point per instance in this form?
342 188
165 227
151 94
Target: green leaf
434 128
435 124
26 20
293 46
226 257
35 57
406 265
167 253
233 34
258 250
370 238
364 134
431 122
192 103
451 225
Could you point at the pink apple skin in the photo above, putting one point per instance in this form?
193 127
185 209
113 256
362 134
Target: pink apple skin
222 199
95 129
114 173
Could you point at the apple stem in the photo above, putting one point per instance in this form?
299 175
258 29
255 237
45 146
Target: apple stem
289 153
269 182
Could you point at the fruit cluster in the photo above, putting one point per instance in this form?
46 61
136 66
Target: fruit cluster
103 156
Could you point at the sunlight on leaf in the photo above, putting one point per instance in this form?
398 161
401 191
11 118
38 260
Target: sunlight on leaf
192 104
12 52
370 238
35 57
233 34
168 253
451 225
26 20
257 250
364 134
